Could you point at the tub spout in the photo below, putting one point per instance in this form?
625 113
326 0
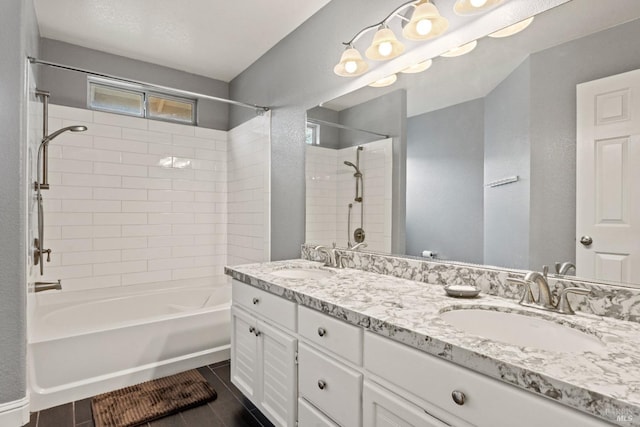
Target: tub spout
47 286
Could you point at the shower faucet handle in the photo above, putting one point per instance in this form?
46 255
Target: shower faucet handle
48 252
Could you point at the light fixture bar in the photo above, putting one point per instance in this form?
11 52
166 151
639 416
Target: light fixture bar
383 22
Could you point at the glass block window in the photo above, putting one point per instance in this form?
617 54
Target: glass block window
123 98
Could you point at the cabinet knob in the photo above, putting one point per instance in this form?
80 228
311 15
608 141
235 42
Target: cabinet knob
322 385
322 332
458 397
255 301
257 332
252 329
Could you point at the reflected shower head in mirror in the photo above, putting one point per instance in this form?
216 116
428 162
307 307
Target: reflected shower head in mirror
353 166
76 128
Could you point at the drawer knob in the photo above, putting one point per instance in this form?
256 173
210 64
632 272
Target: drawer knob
255 301
322 385
322 332
252 329
257 332
458 397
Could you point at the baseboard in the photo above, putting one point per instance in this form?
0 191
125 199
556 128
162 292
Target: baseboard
15 413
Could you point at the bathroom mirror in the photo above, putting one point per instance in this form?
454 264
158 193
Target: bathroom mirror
489 175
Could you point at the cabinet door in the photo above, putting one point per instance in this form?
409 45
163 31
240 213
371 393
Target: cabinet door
382 408
278 375
244 354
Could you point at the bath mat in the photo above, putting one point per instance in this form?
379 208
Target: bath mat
139 404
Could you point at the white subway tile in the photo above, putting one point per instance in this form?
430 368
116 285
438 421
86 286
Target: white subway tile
146 183
92 180
92 282
146 136
172 150
171 173
210 197
86 231
119 120
91 154
53 232
73 166
69 113
119 194
189 141
119 218
119 145
189 229
161 241
159 126
67 218
119 268
162 264
74 139
146 253
187 185
207 154
133 206
170 218
69 272
143 159
95 129
119 169
69 245
146 230
192 251
90 257
120 243
52 205
170 196
207 133
91 206
146 277
188 273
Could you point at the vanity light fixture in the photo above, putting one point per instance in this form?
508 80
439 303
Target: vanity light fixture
512 29
351 63
385 45
472 7
425 23
385 81
461 50
418 68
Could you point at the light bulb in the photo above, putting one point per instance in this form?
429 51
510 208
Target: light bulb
385 48
478 3
350 67
424 26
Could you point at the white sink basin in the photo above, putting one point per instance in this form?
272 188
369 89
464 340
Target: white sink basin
302 273
521 330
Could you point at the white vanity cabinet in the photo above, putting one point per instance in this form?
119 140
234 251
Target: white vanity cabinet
263 355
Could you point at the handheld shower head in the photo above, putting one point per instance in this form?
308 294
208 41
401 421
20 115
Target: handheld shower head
348 163
76 128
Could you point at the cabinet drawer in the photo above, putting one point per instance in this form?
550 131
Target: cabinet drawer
488 402
271 307
330 386
308 416
332 334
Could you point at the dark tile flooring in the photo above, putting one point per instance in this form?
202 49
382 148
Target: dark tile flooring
230 409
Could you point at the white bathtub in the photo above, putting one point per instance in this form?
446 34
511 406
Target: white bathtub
81 347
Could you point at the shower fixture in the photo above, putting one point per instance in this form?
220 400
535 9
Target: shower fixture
42 180
358 234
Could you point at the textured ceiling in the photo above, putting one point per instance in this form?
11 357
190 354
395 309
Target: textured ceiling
213 38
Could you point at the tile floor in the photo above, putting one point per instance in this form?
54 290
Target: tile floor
230 409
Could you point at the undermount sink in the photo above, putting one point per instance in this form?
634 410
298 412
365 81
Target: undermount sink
302 273
521 330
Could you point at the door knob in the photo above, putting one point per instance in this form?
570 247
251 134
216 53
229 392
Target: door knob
586 240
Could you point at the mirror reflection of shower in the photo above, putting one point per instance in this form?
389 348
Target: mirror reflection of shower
358 234
42 180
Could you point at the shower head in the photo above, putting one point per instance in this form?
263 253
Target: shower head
49 137
348 163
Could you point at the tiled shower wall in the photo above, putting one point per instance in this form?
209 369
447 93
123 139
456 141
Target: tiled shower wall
331 188
249 191
134 201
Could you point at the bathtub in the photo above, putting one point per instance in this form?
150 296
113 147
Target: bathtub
80 347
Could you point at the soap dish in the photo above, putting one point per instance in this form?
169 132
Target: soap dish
462 291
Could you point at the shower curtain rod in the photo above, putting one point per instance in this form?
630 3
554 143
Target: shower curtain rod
336 125
172 90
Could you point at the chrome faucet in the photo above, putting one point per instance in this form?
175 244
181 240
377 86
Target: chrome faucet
330 255
358 246
47 286
563 268
545 298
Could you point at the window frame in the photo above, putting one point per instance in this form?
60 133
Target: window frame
315 134
146 92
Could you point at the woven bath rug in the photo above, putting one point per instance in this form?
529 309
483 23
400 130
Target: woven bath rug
139 404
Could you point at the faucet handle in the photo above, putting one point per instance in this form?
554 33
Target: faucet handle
527 295
545 270
563 303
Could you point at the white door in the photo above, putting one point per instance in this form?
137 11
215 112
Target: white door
244 354
608 179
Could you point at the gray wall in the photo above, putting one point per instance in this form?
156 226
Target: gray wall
506 153
555 73
69 88
445 156
18 38
293 76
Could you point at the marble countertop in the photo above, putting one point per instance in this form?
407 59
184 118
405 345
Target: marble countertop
604 382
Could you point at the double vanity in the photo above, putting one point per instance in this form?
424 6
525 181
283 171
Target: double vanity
322 346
